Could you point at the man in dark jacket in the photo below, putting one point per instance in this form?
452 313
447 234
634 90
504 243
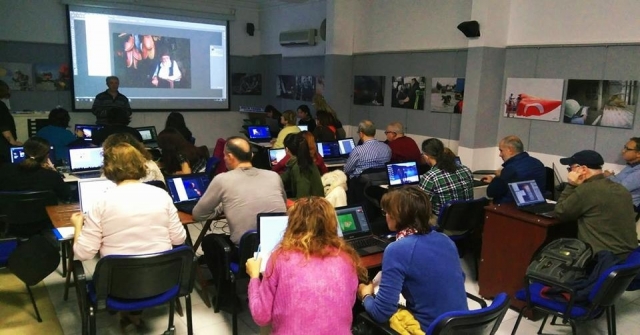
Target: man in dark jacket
517 166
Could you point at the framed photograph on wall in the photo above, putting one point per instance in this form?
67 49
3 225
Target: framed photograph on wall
286 87
305 88
246 84
447 95
533 98
51 77
18 76
368 90
605 103
408 92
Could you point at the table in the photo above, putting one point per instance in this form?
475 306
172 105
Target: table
510 238
372 261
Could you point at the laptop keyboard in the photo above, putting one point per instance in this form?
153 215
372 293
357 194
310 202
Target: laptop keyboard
93 174
367 242
540 208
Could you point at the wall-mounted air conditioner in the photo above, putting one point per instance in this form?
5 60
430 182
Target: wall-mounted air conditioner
298 37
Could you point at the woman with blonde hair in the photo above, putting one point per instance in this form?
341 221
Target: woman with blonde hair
312 262
281 166
288 120
153 171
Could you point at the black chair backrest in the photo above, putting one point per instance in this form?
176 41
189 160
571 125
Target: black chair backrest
248 245
26 208
144 276
463 215
615 284
482 321
34 259
550 183
368 177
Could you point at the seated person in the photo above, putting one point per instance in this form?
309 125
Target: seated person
132 218
175 120
58 135
517 166
305 118
371 154
301 174
118 122
324 131
178 155
602 208
431 285
167 72
403 148
35 173
311 258
629 177
446 180
288 119
313 152
320 104
153 171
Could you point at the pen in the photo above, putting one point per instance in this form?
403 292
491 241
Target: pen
257 254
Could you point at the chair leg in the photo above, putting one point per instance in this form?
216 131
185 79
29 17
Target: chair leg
179 307
172 309
63 250
33 302
92 321
543 322
515 327
234 322
611 320
187 301
573 327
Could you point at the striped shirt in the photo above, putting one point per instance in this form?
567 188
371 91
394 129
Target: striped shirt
371 154
442 186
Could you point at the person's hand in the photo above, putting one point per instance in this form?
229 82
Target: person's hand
608 173
49 165
487 179
253 267
154 81
575 178
498 172
77 219
364 289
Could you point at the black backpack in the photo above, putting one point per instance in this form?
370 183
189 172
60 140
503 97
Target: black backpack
561 261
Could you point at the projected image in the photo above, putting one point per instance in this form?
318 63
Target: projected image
368 90
347 222
246 83
605 103
148 61
447 95
408 92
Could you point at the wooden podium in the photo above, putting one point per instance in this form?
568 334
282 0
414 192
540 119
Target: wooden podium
509 240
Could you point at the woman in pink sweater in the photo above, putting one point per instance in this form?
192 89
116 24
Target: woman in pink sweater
310 280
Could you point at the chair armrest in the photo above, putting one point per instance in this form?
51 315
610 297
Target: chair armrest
365 325
483 304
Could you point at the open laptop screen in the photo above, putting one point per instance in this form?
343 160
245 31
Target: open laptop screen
303 127
188 187
403 173
526 193
276 155
346 146
87 130
271 228
329 149
259 132
91 190
352 221
85 159
148 134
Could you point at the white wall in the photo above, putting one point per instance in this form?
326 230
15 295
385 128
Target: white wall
43 21
409 25
241 44
274 20
534 22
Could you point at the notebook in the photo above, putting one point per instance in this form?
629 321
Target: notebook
186 190
303 127
87 130
276 155
529 199
149 135
91 190
271 227
18 155
259 133
85 162
353 227
400 174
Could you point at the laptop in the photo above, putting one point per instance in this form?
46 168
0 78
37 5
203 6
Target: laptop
186 190
400 174
353 227
149 136
259 134
276 155
529 199
271 227
91 190
87 130
85 162
18 155
303 127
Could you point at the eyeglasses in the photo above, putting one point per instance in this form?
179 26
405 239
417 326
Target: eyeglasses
389 132
570 168
625 148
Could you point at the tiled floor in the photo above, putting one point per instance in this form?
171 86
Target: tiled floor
205 321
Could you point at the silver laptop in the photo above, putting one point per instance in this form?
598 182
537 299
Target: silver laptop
85 162
149 136
91 190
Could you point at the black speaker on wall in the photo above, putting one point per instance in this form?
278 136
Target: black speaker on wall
250 28
470 28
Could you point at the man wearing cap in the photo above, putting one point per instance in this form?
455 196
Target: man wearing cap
629 177
602 208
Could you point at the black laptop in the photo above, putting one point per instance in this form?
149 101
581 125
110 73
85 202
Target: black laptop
86 162
336 152
529 199
259 134
149 136
400 174
17 154
186 190
276 155
87 130
353 227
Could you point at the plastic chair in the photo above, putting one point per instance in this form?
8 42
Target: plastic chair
368 177
226 271
212 163
467 216
377 221
485 320
24 212
602 298
132 283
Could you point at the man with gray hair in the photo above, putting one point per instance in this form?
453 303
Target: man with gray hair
517 166
370 154
108 99
403 148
